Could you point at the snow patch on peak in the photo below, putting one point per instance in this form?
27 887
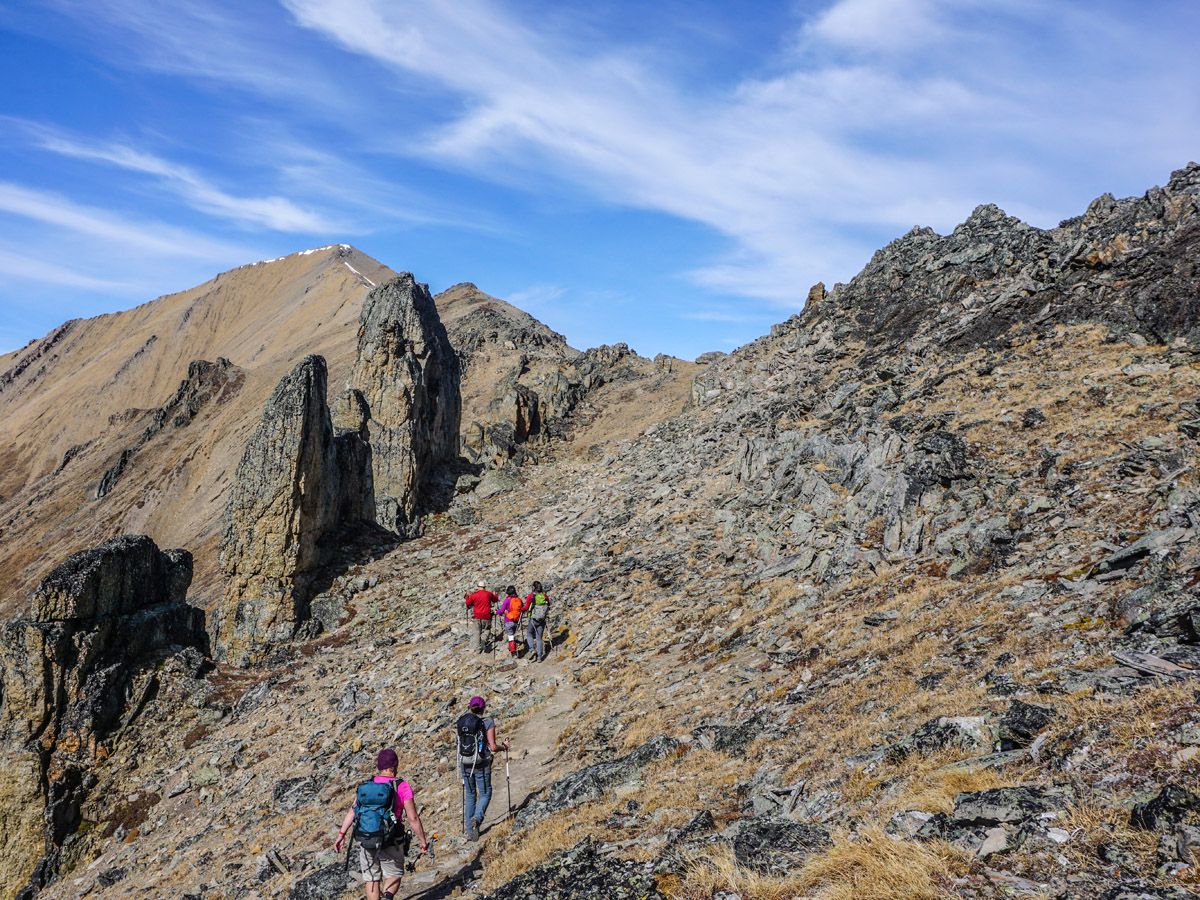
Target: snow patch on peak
358 273
344 248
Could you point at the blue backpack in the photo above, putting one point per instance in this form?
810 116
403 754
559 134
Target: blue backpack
375 823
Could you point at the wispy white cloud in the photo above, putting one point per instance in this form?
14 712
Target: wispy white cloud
880 25
273 212
868 118
152 238
45 271
791 167
883 115
723 315
219 43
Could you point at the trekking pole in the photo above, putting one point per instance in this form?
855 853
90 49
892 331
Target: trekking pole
508 783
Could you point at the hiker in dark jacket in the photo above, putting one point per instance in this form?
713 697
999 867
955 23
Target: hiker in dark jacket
480 604
537 604
383 867
476 748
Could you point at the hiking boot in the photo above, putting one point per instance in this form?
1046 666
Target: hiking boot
473 831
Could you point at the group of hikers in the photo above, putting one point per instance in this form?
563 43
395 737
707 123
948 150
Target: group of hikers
483 606
376 820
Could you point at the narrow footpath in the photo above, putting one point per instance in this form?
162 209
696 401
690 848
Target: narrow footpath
533 742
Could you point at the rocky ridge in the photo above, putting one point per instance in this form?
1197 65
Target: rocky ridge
908 617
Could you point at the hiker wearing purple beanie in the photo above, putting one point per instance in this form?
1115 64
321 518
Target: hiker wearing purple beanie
476 747
375 817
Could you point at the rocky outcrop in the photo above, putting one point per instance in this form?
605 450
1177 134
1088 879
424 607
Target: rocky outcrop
76 672
1127 263
514 419
408 376
995 820
298 488
773 846
206 382
36 352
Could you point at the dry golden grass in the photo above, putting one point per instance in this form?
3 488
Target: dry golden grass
872 866
718 871
1092 825
504 859
935 783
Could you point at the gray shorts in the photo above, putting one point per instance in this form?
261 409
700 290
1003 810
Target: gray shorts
381 865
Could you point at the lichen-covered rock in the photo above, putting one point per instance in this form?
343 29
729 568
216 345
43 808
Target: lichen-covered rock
776 846
593 782
581 873
297 490
961 732
408 375
995 820
1174 805
324 884
1022 723
72 675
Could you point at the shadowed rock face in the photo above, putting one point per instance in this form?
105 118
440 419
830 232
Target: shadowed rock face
298 487
408 375
77 671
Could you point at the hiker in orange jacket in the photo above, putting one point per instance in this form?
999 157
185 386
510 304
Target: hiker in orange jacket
480 603
509 612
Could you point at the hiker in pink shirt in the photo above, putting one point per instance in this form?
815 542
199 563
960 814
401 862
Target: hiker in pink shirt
382 868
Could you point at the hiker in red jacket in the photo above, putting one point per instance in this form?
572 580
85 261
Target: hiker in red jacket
480 604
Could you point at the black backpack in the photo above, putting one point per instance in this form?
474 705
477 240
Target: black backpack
472 740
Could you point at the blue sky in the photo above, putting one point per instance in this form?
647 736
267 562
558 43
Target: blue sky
675 174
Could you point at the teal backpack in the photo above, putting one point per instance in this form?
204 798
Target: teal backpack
375 823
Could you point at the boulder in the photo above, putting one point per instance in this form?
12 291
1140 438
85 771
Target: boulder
992 821
1022 723
963 732
325 883
773 846
408 376
1173 805
581 873
731 739
298 488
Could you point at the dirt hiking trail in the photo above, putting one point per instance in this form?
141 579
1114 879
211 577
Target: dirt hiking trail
533 742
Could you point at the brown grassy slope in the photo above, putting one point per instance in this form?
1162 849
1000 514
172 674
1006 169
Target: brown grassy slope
91 384
94 382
